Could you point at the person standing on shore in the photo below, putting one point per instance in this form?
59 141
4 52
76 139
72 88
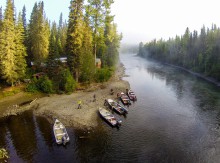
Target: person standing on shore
79 104
94 98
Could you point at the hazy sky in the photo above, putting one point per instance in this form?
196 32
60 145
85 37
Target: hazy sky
144 20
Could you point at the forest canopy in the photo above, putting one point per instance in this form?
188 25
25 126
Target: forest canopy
196 51
66 51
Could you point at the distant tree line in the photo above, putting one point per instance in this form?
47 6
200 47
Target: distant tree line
89 34
197 52
129 48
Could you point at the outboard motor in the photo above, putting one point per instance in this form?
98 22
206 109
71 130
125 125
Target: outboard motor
64 140
119 122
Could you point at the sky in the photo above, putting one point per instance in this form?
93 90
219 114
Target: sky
144 20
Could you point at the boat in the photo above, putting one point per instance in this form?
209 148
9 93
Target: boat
60 133
116 106
125 99
131 95
109 117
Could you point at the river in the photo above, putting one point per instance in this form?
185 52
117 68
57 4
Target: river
175 119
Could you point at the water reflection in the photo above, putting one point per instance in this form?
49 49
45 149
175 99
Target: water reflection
3 132
45 131
206 95
22 133
188 109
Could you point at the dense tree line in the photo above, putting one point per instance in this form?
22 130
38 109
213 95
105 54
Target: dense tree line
199 52
89 33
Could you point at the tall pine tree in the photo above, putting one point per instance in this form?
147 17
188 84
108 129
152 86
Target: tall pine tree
52 62
1 19
20 49
88 66
24 20
61 36
38 35
75 37
95 10
7 45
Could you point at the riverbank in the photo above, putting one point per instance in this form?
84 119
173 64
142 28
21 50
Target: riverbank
209 79
17 103
64 107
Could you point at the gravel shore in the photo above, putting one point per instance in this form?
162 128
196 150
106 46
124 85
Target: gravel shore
64 107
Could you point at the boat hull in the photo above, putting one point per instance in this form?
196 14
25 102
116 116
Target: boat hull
60 133
109 117
116 107
132 95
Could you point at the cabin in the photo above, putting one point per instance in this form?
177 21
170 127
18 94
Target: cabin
38 75
62 60
98 63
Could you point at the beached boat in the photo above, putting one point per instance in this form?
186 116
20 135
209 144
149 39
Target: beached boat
109 117
116 106
131 95
60 133
125 99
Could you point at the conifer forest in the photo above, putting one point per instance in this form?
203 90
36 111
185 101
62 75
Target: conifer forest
195 51
38 46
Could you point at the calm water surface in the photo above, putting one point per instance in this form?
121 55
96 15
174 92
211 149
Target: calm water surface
176 119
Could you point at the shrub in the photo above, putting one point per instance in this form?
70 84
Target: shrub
103 74
32 87
45 84
67 83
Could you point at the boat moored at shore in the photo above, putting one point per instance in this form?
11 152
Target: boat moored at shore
116 106
124 98
60 133
131 95
109 117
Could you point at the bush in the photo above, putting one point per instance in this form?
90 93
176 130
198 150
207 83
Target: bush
44 84
103 74
32 87
67 83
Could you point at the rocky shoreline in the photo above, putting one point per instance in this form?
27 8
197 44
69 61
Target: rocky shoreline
64 107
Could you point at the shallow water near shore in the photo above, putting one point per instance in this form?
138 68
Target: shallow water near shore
176 119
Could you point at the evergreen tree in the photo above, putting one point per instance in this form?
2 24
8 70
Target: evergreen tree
20 49
75 37
1 19
95 10
61 36
38 35
88 67
140 50
53 61
7 45
24 20
112 39
1 15
61 20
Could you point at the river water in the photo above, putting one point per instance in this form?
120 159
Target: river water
176 119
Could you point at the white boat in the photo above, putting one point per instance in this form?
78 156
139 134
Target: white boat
109 117
132 95
116 106
60 133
